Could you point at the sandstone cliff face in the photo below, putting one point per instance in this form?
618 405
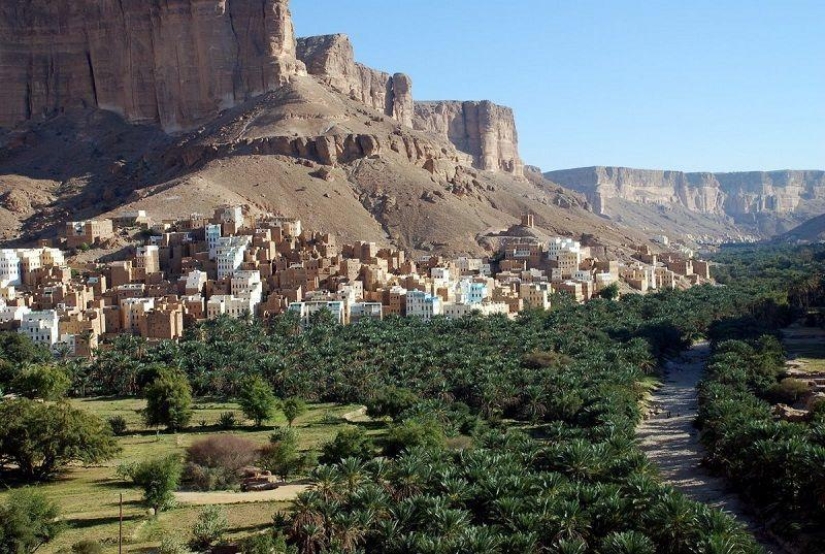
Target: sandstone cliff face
331 58
740 195
172 62
484 130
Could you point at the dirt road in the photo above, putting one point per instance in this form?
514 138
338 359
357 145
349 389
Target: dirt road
285 493
670 441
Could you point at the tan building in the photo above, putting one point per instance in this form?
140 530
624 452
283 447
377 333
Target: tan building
89 232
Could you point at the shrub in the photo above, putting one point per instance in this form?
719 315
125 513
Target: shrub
350 442
45 381
172 545
264 543
227 420
413 434
787 391
157 477
209 528
257 400
169 401
87 547
28 520
281 456
391 402
118 425
293 408
40 439
217 462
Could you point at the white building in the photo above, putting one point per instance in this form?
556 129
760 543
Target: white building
247 284
132 309
195 281
227 304
423 305
306 310
213 234
365 310
9 268
457 311
230 253
41 327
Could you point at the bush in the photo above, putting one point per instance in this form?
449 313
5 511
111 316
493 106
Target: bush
281 456
118 425
787 391
159 478
257 400
28 520
87 547
293 408
264 543
209 528
169 401
413 434
45 381
391 402
172 545
40 439
217 462
227 420
350 442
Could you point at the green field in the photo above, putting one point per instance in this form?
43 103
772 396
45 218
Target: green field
89 496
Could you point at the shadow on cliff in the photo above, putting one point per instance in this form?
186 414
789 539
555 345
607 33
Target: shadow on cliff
98 160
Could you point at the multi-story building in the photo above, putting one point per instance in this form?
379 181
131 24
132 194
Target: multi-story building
305 310
9 268
41 327
89 232
423 305
147 258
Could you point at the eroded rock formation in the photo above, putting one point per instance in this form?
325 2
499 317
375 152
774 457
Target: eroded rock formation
172 62
740 195
484 130
331 59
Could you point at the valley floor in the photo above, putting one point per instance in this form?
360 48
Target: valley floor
672 443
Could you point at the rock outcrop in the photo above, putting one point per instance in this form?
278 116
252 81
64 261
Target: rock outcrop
743 196
172 62
331 59
483 130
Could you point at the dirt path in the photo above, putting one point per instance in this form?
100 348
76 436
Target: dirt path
281 494
673 444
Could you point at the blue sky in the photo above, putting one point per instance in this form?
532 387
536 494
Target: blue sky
722 85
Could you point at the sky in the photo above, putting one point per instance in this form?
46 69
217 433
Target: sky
692 85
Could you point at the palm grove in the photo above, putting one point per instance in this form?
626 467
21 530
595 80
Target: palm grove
502 436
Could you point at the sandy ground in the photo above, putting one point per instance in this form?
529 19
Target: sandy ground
285 493
673 445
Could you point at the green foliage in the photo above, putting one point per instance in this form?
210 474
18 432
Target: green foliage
281 456
171 544
227 420
41 439
265 543
46 381
87 547
16 352
257 400
209 528
118 425
28 520
169 401
610 292
391 402
158 477
293 408
350 442
412 434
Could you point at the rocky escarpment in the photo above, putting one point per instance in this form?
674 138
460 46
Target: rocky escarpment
483 130
744 196
331 58
172 62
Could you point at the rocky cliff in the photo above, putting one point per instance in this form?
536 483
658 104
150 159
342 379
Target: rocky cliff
331 59
483 130
743 196
172 62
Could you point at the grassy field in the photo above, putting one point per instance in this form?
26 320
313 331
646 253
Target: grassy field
89 496
805 347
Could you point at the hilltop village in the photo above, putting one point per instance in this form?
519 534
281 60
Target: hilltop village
182 272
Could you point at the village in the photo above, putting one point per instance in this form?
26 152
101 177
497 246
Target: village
182 272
